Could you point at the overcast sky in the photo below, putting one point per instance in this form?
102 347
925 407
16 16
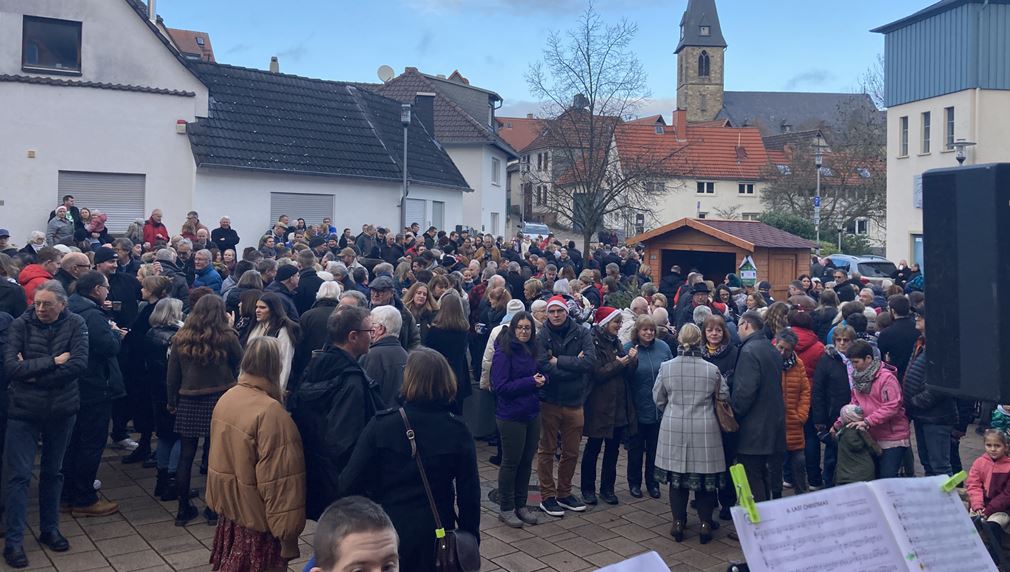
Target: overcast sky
774 45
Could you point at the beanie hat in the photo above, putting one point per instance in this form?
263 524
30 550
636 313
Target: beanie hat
285 272
851 413
104 255
513 307
557 301
605 314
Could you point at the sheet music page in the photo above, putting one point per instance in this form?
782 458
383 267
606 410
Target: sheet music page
932 527
837 529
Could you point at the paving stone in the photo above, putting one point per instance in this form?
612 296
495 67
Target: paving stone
173 544
565 562
136 561
491 547
189 559
633 532
77 562
110 530
161 530
536 546
519 562
123 545
605 558
695 558
77 546
594 532
623 546
579 545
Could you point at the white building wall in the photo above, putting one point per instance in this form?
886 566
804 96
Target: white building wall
245 197
682 200
474 163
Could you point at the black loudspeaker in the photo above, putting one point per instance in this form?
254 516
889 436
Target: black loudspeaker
966 241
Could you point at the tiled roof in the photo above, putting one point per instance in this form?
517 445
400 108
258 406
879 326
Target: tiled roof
280 122
769 111
744 234
189 43
708 152
41 80
140 9
650 120
779 142
519 132
456 118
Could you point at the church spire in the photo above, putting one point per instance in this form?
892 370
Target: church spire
700 26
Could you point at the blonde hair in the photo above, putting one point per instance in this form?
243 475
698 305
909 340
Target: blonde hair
689 337
642 323
262 358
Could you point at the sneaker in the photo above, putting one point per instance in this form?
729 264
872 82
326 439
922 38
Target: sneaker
97 485
787 485
126 444
101 507
510 518
527 516
572 503
589 497
550 506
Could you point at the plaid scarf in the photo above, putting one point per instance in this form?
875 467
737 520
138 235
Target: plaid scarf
789 362
862 381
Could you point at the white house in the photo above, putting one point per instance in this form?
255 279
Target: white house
130 125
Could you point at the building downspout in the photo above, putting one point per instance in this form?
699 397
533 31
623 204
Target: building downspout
978 89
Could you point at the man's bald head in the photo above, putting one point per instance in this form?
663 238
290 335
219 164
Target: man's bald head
640 306
75 263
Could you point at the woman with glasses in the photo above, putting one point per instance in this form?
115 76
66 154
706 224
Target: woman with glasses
831 392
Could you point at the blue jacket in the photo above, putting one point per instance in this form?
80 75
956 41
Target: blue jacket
208 277
649 359
515 392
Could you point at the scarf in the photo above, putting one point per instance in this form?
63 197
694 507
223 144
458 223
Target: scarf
862 381
688 352
709 353
789 362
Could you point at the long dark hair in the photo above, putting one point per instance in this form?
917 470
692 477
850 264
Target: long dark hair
204 336
507 337
279 317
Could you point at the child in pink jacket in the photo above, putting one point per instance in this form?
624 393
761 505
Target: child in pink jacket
989 482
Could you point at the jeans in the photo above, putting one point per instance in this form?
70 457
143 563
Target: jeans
168 452
608 473
792 460
830 462
567 421
642 444
889 462
84 453
19 456
756 469
519 444
933 442
812 453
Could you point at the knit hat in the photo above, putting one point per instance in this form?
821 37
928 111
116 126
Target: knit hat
285 272
557 301
511 309
104 255
851 413
317 241
605 314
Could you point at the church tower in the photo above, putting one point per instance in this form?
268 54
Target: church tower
700 61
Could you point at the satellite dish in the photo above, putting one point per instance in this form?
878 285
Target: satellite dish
385 73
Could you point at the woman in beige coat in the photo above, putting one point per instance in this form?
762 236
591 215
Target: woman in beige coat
256 476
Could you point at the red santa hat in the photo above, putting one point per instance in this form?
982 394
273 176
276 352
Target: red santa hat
557 301
605 314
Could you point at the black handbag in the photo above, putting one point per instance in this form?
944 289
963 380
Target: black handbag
455 550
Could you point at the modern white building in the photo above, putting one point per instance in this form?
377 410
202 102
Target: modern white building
130 125
947 81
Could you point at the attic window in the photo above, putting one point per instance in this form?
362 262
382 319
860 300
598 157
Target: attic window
864 172
659 130
741 154
51 46
704 31
508 125
199 40
784 169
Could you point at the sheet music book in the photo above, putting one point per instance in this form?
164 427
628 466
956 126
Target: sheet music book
889 525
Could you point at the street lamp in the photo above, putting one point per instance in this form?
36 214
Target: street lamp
405 121
959 147
818 160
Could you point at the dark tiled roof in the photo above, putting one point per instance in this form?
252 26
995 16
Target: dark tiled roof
42 80
770 110
759 233
779 142
700 13
280 122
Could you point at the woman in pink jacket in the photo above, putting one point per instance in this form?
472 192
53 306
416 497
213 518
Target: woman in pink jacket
877 391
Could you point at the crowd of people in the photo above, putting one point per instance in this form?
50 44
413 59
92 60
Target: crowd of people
319 367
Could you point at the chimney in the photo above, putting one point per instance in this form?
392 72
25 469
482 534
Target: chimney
424 110
275 66
529 116
152 14
680 124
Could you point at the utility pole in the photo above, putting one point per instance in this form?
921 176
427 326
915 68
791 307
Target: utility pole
405 121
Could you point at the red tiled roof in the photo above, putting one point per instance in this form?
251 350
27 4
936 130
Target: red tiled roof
650 120
744 234
519 131
708 152
187 43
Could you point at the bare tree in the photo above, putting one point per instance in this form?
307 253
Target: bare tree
589 82
872 82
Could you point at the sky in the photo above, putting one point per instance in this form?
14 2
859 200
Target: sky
774 45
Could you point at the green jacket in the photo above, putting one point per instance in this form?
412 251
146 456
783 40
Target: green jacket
856 450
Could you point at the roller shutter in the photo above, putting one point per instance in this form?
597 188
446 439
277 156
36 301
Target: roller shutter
311 207
415 213
118 195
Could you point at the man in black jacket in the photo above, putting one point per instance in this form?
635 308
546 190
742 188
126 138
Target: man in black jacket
381 294
166 258
844 287
757 403
285 284
567 357
332 405
45 354
308 282
224 236
101 383
933 414
897 341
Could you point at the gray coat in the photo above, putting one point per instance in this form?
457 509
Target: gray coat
757 397
384 365
690 440
60 231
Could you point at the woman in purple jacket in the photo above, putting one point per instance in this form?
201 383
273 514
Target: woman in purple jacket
515 381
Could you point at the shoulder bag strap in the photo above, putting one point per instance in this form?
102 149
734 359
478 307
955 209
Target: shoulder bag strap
439 531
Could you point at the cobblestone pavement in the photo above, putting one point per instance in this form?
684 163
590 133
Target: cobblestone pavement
143 536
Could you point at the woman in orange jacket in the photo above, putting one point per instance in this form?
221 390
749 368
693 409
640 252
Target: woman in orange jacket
796 393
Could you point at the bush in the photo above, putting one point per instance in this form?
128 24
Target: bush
790 223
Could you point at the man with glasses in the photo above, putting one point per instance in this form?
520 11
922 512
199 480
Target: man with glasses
45 354
127 264
845 288
332 404
386 358
831 391
72 267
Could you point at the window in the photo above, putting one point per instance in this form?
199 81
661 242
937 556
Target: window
199 41
702 215
858 226
703 64
438 214
495 171
704 102
750 216
51 45
524 164
659 130
784 169
948 119
508 125
540 161
706 188
827 172
745 188
539 195
704 31
903 142
494 223
655 187
864 172
924 147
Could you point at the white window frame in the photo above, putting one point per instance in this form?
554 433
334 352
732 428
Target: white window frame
948 124
496 171
925 125
745 188
903 136
705 188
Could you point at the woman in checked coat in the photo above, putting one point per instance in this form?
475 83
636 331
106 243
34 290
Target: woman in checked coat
690 455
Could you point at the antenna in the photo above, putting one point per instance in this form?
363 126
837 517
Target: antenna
385 73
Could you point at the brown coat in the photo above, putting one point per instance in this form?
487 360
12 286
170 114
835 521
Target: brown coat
796 393
609 404
256 474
